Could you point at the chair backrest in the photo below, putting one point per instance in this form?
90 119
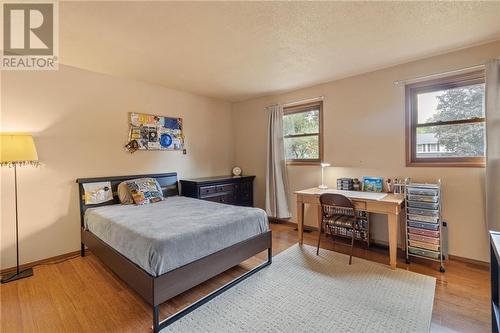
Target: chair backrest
337 200
336 205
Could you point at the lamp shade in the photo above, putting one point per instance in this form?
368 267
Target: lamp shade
17 148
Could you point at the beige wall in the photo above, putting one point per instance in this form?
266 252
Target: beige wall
364 135
79 122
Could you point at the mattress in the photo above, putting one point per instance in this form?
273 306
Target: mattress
162 236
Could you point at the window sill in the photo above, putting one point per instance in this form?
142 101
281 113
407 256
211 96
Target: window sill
305 163
446 164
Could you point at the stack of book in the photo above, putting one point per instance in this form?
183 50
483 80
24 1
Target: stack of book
345 184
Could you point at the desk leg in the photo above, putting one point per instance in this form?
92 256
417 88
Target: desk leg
300 221
402 232
392 219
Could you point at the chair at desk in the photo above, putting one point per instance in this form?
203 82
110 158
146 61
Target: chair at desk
337 211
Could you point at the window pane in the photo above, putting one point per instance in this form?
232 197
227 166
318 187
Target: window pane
305 147
301 123
451 104
464 140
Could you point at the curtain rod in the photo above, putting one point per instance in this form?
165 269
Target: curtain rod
312 99
453 71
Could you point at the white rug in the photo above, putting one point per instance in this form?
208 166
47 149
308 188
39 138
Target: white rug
301 292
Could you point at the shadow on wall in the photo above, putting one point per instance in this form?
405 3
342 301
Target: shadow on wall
47 240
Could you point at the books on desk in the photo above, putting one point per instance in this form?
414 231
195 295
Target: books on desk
345 184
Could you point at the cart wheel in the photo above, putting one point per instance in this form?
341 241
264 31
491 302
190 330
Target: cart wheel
407 260
441 269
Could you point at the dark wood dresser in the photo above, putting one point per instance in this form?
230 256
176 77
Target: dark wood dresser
224 189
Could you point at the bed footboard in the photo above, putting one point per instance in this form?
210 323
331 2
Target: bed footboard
159 325
183 278
156 290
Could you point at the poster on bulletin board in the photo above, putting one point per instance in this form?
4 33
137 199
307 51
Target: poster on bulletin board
153 132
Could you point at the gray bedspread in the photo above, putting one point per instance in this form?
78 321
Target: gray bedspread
162 236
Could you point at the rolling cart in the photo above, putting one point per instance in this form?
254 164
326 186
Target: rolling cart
424 224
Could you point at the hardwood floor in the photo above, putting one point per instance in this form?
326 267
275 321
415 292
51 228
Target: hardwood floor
81 295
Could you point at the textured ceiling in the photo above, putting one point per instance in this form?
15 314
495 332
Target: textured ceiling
240 50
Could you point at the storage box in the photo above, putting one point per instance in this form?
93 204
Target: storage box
427 246
422 198
424 253
425 239
422 191
423 225
425 205
424 232
425 212
421 218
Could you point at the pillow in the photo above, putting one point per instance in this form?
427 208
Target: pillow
96 193
144 190
124 194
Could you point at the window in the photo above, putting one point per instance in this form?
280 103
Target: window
302 130
445 121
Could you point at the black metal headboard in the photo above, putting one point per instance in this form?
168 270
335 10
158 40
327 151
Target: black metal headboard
167 181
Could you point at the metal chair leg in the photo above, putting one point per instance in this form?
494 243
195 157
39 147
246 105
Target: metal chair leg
319 238
352 244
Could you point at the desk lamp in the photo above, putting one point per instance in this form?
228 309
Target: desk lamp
323 166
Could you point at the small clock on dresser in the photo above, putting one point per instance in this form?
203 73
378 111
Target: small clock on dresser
236 171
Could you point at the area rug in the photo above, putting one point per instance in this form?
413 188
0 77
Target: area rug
302 292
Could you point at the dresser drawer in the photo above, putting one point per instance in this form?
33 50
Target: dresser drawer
207 190
226 188
246 186
245 196
225 198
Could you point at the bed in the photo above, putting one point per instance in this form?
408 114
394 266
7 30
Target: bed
163 249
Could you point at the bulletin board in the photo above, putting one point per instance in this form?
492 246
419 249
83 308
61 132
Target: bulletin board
153 132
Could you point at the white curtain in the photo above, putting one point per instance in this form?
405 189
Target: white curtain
276 176
493 144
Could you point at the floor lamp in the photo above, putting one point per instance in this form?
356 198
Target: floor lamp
17 149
